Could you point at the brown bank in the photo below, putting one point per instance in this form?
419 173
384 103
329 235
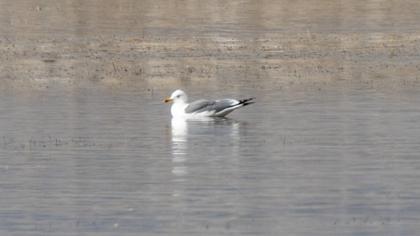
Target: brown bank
171 43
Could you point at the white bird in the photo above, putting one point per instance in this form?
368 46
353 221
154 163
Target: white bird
202 107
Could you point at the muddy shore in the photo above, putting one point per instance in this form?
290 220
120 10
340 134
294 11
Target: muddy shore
272 44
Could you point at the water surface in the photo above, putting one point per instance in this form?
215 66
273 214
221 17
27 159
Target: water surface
112 162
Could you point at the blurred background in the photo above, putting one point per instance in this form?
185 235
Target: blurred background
264 43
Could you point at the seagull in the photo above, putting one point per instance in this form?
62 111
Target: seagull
203 108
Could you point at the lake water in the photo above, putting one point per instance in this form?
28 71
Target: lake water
98 161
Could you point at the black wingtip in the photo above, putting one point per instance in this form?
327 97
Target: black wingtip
247 101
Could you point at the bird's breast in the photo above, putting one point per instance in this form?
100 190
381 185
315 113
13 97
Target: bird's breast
178 109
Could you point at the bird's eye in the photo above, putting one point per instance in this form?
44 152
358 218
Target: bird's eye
178 96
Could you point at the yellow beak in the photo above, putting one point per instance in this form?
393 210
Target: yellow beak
168 100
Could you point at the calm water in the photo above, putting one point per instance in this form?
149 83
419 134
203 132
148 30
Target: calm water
104 162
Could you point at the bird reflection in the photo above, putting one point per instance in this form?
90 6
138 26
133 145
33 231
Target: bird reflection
184 131
179 131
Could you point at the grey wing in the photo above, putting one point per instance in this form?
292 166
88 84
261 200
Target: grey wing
223 104
208 106
198 106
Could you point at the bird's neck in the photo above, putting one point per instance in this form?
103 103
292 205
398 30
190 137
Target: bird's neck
177 109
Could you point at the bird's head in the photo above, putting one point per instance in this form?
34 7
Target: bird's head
177 96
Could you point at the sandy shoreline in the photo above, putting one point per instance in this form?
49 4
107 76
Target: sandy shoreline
245 49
